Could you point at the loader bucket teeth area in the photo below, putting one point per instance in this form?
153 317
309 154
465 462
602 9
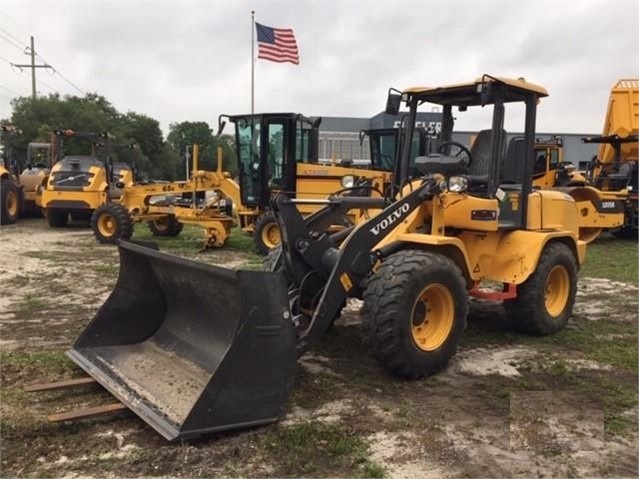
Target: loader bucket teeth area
192 348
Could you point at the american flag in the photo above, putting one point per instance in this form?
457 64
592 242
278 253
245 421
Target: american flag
276 44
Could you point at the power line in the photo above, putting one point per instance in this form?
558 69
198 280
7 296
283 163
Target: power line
10 42
16 39
34 53
45 84
10 90
61 75
6 17
33 67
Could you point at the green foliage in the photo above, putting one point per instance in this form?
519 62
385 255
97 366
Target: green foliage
187 133
38 118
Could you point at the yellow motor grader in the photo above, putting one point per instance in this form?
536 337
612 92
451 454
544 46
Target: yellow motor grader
193 348
277 152
167 206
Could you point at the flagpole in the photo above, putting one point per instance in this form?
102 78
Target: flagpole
252 61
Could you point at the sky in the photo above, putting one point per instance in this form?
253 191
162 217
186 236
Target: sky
191 61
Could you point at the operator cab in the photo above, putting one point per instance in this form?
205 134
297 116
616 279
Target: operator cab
491 167
269 147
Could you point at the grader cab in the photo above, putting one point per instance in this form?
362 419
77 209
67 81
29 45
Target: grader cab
192 348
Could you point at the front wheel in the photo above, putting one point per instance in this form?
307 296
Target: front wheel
110 222
266 233
414 313
9 202
545 300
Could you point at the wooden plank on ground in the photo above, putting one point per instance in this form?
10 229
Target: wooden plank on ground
86 412
69 383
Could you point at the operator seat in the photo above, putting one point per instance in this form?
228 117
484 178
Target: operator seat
479 169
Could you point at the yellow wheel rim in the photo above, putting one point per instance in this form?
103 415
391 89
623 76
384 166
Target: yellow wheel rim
432 317
557 290
271 235
106 224
12 204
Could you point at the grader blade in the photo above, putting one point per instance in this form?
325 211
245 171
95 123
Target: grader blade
192 348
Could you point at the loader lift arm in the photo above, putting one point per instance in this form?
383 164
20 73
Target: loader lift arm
322 274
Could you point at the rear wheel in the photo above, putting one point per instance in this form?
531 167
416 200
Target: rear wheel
266 233
9 202
56 218
165 226
414 312
110 222
545 300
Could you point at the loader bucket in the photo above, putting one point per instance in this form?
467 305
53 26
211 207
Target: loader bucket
192 348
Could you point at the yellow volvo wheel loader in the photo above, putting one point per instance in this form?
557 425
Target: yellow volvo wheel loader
193 348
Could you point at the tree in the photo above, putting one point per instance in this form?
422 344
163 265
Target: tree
38 118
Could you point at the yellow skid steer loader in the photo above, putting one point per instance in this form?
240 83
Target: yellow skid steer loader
193 348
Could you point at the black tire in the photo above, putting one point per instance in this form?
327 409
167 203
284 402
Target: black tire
394 300
110 222
166 226
9 202
545 300
627 233
81 216
56 218
266 233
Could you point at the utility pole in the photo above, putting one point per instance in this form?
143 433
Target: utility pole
33 67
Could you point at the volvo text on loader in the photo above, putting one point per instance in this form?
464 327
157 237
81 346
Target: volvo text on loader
193 348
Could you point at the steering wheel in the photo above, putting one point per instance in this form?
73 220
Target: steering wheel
460 147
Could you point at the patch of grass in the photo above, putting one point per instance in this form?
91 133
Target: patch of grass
372 470
605 342
612 258
617 391
30 304
36 364
107 269
191 241
314 449
312 389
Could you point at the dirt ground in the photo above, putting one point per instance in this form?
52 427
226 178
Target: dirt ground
508 405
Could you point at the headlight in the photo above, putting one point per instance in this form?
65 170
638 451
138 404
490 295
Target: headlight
348 181
457 184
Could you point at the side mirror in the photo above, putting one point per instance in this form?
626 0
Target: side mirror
393 102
